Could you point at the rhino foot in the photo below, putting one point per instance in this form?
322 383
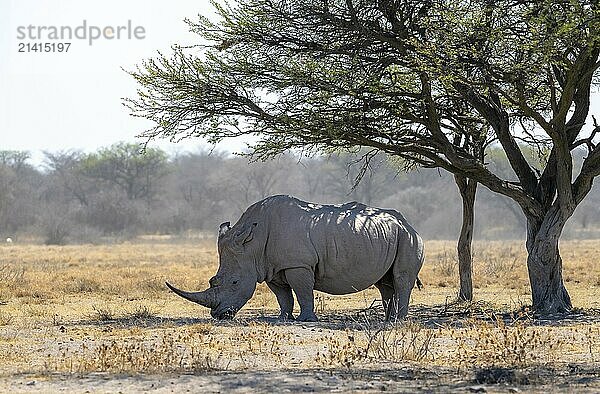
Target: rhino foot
307 317
286 317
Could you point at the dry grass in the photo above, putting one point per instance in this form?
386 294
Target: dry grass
171 352
5 319
105 308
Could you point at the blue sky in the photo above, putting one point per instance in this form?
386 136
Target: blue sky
56 101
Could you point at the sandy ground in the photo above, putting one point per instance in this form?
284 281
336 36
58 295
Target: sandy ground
408 379
294 369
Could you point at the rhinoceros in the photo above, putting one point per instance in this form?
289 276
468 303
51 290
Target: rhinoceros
298 246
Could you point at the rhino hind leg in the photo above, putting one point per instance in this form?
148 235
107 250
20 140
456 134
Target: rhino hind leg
403 286
285 299
405 272
302 282
385 286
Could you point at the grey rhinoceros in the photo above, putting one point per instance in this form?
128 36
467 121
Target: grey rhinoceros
295 245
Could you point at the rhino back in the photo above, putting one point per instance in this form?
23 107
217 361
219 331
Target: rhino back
349 247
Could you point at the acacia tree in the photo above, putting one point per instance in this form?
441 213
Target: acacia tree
123 166
415 79
467 187
533 64
67 166
20 189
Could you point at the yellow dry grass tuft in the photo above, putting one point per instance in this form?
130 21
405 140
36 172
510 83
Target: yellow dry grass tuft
170 352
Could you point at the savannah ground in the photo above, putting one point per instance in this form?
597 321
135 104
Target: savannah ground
98 318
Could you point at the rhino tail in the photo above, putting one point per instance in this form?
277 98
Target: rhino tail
419 284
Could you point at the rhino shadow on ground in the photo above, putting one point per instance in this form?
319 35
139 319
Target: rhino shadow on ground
435 316
430 316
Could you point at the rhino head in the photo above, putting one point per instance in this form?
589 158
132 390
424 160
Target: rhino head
236 279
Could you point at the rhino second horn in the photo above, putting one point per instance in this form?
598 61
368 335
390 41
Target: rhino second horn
205 298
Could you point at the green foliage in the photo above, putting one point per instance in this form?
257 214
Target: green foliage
409 78
433 82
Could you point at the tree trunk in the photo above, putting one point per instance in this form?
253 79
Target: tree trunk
544 264
467 189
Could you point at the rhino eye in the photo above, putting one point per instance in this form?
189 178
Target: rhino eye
235 282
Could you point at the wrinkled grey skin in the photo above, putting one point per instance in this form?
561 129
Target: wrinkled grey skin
298 246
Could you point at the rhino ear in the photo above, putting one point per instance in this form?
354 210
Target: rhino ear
246 235
223 228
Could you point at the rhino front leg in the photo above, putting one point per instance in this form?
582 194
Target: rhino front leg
302 281
285 300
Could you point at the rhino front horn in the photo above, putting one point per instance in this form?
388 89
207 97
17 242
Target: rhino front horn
205 298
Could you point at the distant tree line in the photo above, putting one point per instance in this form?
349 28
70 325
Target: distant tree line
117 193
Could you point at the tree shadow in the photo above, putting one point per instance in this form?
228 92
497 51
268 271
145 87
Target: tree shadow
456 314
